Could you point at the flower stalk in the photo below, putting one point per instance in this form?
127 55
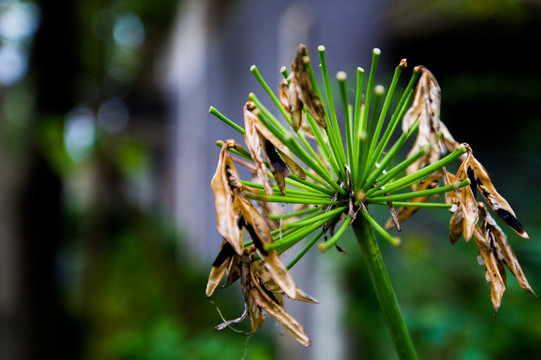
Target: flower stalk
309 182
384 289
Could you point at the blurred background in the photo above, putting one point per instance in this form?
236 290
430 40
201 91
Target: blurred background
107 223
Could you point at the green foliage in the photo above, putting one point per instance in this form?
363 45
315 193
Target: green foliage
137 313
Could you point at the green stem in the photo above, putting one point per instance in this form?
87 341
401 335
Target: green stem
420 193
219 115
384 290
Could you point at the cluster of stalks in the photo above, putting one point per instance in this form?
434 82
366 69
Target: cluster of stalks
314 176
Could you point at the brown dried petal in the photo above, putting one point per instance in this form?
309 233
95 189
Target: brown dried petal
292 165
306 128
503 250
283 94
292 104
495 273
254 311
425 107
500 206
451 197
279 147
295 105
219 267
263 300
277 165
468 204
302 85
456 226
260 234
224 183
456 223
253 143
447 139
267 282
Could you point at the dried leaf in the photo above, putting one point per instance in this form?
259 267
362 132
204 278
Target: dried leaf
233 273
302 86
226 184
429 157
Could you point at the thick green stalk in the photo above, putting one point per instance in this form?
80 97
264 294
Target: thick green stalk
384 289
